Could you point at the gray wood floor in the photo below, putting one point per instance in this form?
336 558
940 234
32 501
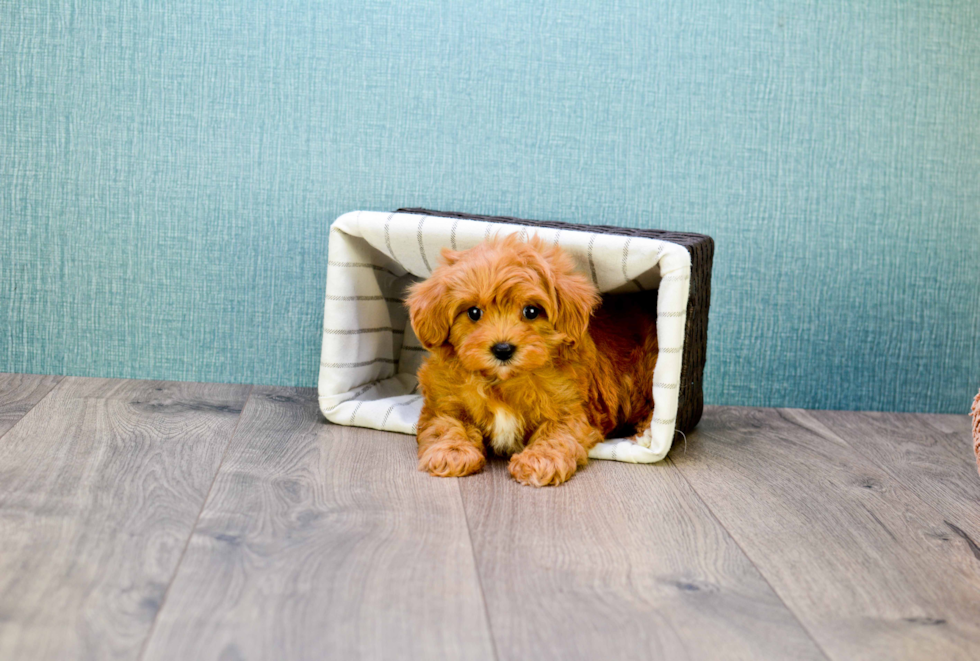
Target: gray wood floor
161 520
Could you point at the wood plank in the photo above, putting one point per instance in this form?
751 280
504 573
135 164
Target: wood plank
100 486
320 542
622 562
956 432
869 568
19 393
932 455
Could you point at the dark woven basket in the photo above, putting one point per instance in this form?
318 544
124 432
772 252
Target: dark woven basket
702 248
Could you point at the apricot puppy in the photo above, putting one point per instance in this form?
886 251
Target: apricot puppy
523 358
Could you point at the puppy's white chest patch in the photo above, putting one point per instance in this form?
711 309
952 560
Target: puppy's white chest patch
507 436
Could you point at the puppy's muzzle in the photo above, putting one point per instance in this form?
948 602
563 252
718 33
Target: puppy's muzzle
503 351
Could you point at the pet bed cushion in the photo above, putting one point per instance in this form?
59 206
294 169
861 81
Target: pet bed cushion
370 354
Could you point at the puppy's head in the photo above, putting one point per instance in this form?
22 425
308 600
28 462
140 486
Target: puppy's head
502 308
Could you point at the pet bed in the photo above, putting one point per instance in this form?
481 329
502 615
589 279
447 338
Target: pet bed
370 354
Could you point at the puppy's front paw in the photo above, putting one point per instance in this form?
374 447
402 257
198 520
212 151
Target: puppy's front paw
542 467
450 459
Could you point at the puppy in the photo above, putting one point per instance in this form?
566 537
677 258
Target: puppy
523 358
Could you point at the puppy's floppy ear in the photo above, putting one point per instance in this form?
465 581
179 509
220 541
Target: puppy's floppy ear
430 309
577 299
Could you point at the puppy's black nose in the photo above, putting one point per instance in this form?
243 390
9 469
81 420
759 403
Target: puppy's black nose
503 351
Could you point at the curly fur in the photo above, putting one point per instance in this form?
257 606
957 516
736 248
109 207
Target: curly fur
579 371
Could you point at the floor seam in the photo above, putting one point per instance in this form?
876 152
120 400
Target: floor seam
748 557
476 568
197 520
61 379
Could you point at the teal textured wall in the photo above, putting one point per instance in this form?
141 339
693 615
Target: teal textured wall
168 172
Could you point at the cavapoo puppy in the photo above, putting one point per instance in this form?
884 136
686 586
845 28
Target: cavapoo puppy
524 358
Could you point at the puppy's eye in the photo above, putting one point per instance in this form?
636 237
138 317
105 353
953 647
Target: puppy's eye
475 313
531 312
